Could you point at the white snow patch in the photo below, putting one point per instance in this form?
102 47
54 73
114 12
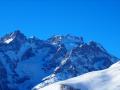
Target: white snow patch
8 40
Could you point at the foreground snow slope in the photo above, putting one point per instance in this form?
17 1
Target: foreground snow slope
108 79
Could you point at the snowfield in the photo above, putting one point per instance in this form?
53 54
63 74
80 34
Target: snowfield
108 79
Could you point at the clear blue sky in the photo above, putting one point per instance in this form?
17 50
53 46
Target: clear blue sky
97 20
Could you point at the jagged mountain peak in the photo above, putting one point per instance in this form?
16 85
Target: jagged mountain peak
67 37
69 41
97 45
17 32
14 36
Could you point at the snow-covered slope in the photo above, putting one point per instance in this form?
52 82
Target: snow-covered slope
25 62
108 79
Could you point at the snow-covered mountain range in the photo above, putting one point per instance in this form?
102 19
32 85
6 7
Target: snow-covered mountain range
25 62
108 79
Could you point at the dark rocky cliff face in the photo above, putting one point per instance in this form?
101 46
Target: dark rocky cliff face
67 87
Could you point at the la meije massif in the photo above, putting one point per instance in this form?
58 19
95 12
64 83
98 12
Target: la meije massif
61 62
